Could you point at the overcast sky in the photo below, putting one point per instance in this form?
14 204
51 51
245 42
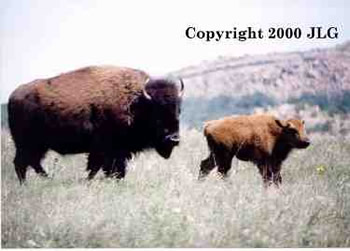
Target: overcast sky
42 38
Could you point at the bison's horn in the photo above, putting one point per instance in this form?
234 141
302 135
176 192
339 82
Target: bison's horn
181 93
147 96
173 137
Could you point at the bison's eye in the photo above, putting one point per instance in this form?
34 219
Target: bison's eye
159 122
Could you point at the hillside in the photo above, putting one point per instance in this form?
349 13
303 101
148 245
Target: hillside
313 84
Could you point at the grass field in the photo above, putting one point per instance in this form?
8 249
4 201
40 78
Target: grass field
161 204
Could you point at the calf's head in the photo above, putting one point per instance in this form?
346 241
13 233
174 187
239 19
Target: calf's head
164 101
293 133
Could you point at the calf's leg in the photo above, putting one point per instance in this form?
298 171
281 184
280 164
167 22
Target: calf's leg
265 173
206 166
276 175
271 174
224 161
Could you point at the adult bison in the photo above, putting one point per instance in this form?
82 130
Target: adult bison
262 139
108 112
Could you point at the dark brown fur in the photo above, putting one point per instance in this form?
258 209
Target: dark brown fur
262 139
102 111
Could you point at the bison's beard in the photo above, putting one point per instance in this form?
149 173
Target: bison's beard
165 148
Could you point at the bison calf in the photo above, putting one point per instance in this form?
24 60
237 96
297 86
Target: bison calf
262 139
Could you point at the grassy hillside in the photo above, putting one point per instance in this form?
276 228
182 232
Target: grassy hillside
161 204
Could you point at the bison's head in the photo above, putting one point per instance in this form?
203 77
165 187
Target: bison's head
293 133
164 98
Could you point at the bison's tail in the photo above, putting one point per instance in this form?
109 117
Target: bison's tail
209 137
205 128
22 114
13 111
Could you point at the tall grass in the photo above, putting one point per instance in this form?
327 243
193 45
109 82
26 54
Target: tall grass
160 203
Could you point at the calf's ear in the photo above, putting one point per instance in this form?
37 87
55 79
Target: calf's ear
280 123
283 124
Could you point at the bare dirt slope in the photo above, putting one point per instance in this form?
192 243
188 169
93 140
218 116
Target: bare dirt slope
282 75
315 84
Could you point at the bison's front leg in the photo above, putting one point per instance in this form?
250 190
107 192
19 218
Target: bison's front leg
95 162
116 167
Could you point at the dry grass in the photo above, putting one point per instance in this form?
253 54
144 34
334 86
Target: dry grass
161 203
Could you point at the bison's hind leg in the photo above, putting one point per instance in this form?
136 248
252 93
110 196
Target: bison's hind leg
206 166
21 166
36 163
24 158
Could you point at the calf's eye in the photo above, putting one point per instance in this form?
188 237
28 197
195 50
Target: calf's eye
293 132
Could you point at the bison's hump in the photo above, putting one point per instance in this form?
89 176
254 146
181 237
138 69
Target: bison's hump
107 90
98 85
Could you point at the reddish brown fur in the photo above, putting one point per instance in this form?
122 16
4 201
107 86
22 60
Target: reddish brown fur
93 85
262 139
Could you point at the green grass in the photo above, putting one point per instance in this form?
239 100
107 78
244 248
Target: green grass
161 204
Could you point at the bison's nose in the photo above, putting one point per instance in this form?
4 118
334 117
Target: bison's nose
307 142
